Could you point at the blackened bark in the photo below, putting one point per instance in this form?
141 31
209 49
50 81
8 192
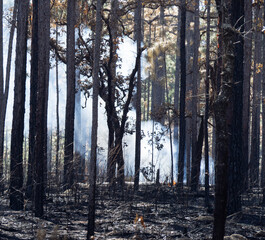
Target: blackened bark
170 135
116 118
189 85
40 137
219 47
138 99
255 135
16 165
113 31
223 118
57 116
5 92
206 114
120 160
47 65
93 163
33 97
176 92
70 100
197 162
120 125
112 64
2 130
199 144
246 89
182 123
148 97
263 120
195 81
149 77
236 150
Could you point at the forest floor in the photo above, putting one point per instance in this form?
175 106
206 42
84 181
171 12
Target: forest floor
152 213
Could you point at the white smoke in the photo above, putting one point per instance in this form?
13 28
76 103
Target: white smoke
127 52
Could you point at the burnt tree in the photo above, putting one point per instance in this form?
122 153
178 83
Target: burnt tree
236 150
182 121
39 168
70 99
16 165
33 96
93 162
138 99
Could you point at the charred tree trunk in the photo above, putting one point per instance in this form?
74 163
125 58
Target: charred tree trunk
43 75
189 76
115 121
4 92
138 99
120 160
33 97
113 31
182 122
255 135
2 129
197 163
16 165
176 92
47 54
195 81
236 150
57 116
70 100
223 117
263 120
149 77
93 163
246 89
206 114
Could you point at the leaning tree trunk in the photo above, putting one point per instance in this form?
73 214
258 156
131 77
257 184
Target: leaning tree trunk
16 165
2 129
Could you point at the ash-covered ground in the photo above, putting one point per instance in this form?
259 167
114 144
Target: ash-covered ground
155 212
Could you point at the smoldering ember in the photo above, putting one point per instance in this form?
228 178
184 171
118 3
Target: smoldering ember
132 119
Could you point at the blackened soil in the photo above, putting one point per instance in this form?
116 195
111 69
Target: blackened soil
153 213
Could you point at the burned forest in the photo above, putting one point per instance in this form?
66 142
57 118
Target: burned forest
132 119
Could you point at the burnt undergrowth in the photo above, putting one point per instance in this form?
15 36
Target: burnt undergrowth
154 212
